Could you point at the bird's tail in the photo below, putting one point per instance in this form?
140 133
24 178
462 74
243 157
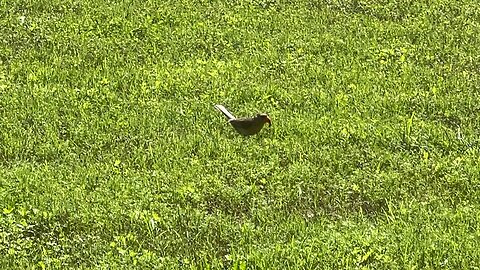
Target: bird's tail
227 114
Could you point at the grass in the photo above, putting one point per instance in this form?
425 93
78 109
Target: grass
112 155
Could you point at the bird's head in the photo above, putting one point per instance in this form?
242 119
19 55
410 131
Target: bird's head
264 117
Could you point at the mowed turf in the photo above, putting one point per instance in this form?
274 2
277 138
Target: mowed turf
113 156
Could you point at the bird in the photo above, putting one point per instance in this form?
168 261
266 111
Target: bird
246 126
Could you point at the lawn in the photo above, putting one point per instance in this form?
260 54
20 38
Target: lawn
113 156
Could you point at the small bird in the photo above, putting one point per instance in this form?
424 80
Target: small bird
246 126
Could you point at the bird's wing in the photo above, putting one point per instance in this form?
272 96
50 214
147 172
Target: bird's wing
247 126
227 114
244 123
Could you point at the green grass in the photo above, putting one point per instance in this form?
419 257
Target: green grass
112 155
